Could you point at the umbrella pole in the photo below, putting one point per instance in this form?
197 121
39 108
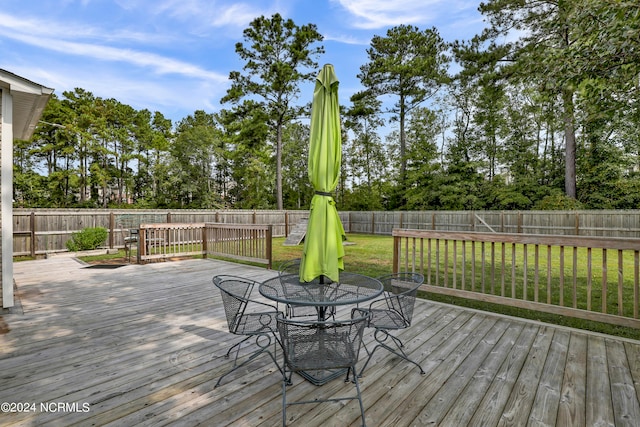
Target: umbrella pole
322 310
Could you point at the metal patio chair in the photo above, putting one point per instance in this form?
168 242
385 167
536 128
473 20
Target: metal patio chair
247 317
128 225
318 345
393 312
293 267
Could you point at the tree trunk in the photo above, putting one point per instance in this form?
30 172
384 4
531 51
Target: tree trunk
570 145
403 144
83 169
279 166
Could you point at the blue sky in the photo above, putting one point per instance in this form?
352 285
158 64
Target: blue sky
174 56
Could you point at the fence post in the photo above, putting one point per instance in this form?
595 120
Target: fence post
519 222
112 230
577 224
286 223
32 226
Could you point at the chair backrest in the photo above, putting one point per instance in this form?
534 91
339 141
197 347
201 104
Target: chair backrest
402 289
290 267
235 293
312 345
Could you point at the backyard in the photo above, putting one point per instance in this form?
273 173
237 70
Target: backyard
373 255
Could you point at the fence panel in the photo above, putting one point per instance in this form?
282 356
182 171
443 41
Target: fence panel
39 231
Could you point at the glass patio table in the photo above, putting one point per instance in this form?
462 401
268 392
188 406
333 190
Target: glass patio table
321 293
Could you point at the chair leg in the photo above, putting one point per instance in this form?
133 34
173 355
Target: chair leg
367 361
381 343
262 349
355 380
284 401
238 349
358 396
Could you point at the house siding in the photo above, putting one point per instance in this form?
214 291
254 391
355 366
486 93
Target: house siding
1 300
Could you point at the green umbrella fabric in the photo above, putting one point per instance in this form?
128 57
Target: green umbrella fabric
323 250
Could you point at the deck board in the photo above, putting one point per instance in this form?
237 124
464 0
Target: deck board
144 345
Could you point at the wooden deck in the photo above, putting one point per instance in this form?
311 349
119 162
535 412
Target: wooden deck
143 345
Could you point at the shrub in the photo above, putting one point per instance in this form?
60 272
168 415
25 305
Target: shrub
558 201
88 238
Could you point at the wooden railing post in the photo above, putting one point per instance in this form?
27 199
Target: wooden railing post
204 241
396 254
269 246
142 246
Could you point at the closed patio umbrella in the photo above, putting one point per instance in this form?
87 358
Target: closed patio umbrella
323 250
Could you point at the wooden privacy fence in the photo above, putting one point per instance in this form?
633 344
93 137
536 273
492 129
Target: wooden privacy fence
244 242
41 231
584 277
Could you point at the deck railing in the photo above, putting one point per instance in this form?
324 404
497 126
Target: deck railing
584 277
243 242
236 241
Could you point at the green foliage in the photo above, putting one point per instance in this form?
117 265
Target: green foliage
252 169
558 201
87 239
408 64
363 155
278 55
196 152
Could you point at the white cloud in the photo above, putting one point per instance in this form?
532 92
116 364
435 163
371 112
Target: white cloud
347 39
32 34
12 26
374 14
213 13
239 15
173 97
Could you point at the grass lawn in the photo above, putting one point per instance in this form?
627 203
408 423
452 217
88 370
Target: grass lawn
372 255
